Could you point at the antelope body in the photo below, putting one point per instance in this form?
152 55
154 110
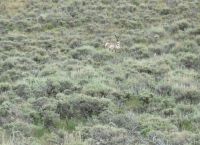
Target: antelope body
113 46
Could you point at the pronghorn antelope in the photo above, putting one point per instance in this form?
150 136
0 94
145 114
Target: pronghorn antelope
113 46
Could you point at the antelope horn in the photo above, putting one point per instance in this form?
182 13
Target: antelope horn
117 38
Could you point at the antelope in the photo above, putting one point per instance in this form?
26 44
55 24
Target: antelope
113 46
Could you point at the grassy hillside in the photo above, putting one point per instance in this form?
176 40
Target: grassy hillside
60 86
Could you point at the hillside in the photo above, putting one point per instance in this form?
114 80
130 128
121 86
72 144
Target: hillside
60 86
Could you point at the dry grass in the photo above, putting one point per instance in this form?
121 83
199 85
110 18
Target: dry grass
73 138
11 7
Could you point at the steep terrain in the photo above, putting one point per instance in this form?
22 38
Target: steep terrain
60 86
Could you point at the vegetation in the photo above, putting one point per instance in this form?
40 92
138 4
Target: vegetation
60 86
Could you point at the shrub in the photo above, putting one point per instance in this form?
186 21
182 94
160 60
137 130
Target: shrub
12 75
150 123
183 137
182 24
75 43
3 97
55 73
125 7
22 128
168 112
181 84
139 51
188 46
37 86
74 139
9 63
156 66
43 104
131 24
198 40
155 33
165 11
146 98
22 24
105 135
4 108
15 138
50 119
134 103
189 60
51 86
78 106
4 87
196 116
182 8
127 121
96 88
39 59
102 56
164 88
195 31
83 53
22 90
190 94
44 113
184 109
165 48
48 70
178 25
6 24
34 116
